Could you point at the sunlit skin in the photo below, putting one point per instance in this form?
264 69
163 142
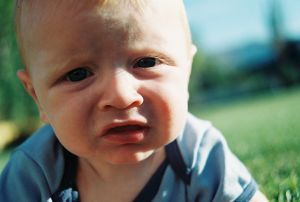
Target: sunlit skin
113 83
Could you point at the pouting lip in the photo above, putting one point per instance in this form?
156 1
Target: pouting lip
131 124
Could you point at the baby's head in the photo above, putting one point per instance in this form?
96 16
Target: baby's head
111 77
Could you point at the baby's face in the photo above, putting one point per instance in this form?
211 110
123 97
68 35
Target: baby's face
112 81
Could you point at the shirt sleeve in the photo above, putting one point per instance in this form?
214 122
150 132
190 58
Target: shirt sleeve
219 174
22 180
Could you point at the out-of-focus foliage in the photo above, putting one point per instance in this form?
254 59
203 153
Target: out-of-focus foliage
213 80
15 104
247 68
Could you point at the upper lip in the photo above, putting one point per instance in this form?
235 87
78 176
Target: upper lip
110 126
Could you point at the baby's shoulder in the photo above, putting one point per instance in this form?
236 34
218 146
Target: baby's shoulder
37 165
40 142
213 166
199 137
44 150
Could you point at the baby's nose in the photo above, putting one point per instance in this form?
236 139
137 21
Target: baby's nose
121 92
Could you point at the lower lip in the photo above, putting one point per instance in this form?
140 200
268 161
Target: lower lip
126 137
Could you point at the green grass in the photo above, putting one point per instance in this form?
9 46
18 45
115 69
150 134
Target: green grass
264 132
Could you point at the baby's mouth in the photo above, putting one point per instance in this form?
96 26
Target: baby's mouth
124 129
126 134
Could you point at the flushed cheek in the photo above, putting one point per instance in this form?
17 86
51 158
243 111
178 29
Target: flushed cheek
169 110
75 140
69 117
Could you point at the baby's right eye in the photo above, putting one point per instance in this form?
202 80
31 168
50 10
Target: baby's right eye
78 74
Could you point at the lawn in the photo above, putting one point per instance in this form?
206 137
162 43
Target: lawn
264 131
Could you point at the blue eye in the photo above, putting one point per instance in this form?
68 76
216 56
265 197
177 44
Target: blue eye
78 74
146 62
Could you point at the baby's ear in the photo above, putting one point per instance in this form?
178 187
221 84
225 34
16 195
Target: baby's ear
193 50
25 79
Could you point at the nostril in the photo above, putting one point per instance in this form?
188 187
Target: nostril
138 101
121 101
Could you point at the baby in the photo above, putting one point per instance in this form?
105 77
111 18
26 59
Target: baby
110 79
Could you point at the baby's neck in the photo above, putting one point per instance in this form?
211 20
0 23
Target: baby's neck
116 182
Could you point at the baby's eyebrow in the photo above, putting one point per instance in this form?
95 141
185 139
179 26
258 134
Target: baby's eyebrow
72 60
155 51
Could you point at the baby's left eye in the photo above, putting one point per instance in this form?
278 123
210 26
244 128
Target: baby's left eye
146 62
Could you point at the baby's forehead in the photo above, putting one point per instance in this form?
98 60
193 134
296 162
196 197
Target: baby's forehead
35 17
36 10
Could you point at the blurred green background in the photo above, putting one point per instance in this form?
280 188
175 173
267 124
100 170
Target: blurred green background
15 105
253 98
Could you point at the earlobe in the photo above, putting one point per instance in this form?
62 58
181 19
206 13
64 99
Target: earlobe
25 79
43 116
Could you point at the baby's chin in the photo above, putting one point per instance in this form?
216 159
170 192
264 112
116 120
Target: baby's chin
131 159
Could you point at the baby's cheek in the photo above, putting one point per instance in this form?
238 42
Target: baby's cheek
172 106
